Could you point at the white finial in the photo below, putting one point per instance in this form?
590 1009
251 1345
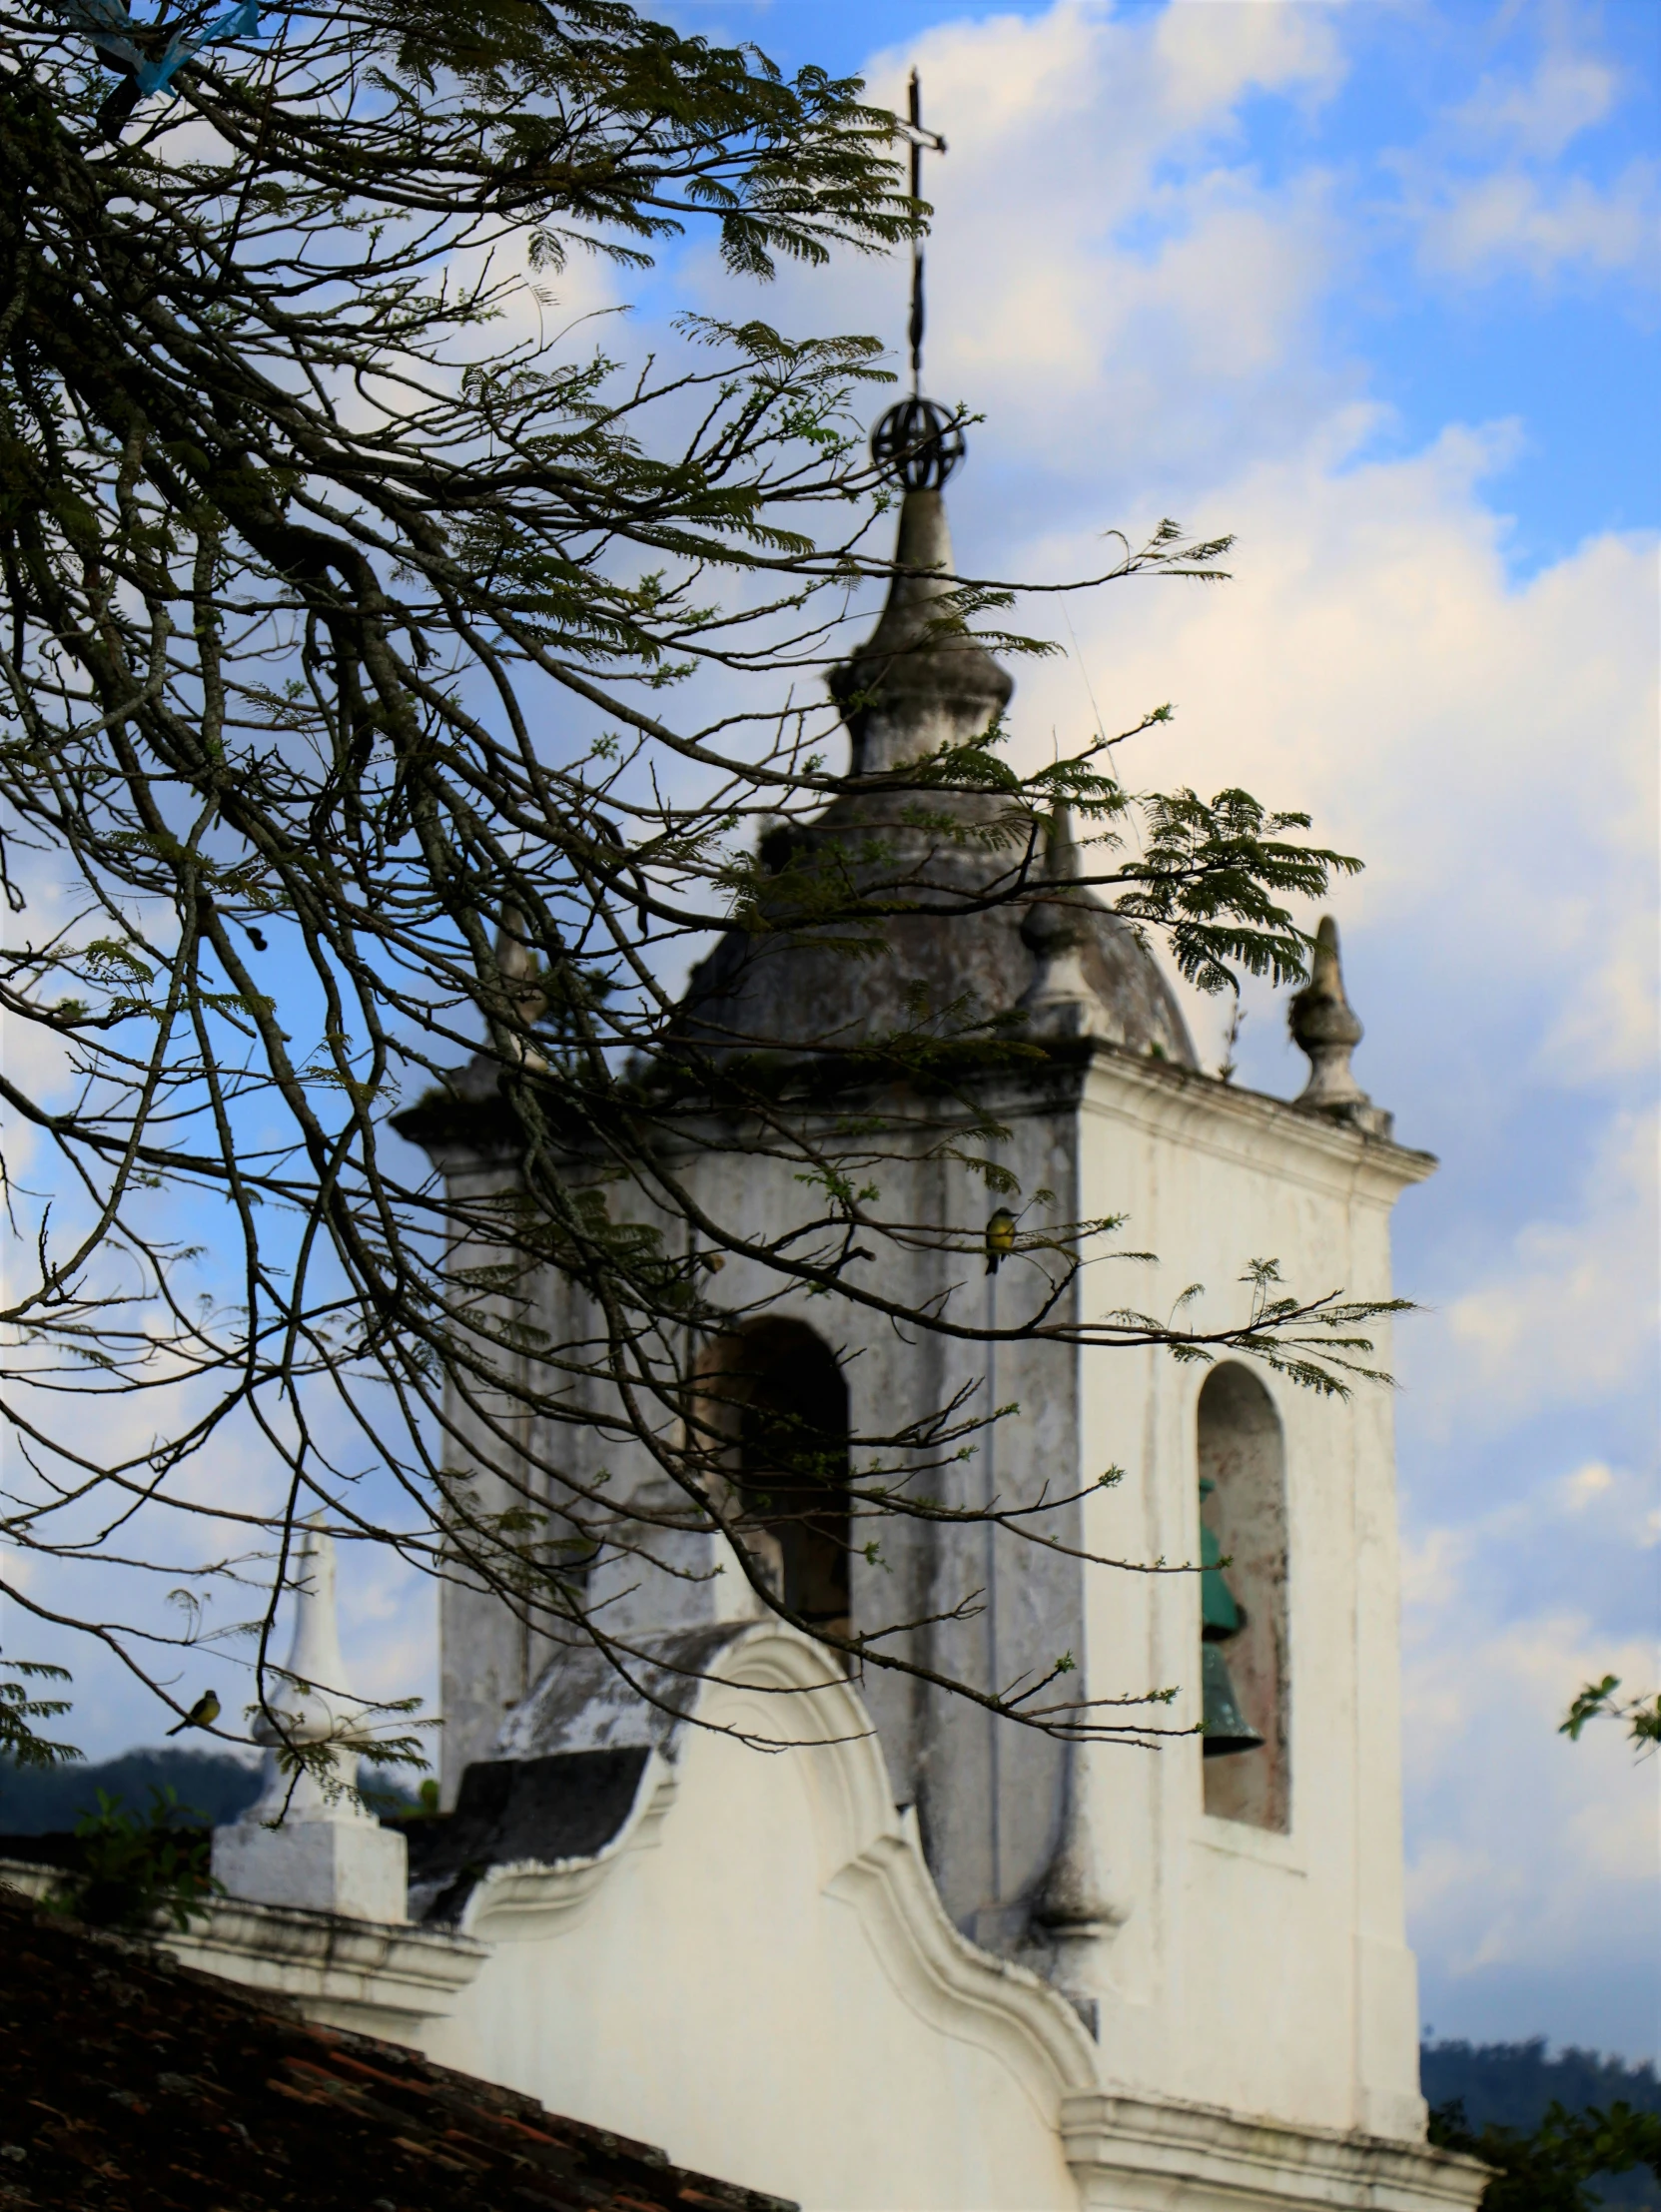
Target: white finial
308 1705
522 973
325 1851
1059 1001
1325 1026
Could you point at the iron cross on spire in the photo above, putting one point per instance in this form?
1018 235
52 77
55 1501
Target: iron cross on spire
917 443
934 144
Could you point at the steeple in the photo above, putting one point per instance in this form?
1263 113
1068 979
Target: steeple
953 959
919 681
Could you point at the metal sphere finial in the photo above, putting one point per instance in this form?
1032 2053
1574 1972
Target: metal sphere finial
918 444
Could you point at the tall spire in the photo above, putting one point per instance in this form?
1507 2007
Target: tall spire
310 1840
922 686
920 681
311 1706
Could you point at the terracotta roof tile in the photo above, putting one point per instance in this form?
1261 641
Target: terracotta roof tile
129 2083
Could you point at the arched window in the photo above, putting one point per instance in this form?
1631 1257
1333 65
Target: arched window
1243 1474
792 1463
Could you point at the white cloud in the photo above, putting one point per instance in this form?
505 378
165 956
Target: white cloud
1213 55
1490 193
1533 1848
1594 1480
1531 1859
1514 220
1487 748
1567 93
1102 227
1570 1312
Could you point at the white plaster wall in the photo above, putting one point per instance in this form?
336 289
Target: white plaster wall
757 1975
745 1988
1265 1972
944 1755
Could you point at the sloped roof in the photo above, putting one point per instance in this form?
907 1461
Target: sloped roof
945 973
130 2083
513 1809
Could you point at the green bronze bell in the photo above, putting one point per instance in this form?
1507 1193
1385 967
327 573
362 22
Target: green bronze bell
1220 1616
1223 1727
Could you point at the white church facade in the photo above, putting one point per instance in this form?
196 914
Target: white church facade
921 1957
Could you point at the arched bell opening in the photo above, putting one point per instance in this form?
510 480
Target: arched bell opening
1243 1650
787 1412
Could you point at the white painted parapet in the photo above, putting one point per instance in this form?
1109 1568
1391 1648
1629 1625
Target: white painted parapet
390 1980
1146 2154
754 1969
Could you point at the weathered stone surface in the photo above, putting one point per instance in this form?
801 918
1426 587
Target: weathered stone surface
946 964
310 1840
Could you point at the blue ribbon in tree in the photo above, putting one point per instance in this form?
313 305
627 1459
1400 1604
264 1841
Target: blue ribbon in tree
109 24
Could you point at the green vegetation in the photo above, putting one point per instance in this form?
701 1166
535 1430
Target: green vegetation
21 1741
1601 1701
131 1868
1563 2133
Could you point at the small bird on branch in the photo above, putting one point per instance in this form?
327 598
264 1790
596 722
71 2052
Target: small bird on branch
203 1714
999 1238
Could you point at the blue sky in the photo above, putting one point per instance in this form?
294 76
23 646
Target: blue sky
1572 361
1374 285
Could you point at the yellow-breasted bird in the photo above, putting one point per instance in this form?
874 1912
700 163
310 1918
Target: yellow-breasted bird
999 1238
203 1714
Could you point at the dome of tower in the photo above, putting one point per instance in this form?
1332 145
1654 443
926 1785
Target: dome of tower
949 958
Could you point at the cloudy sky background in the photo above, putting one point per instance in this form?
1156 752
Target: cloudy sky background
1377 287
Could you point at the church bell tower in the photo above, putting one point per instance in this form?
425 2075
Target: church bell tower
1218 1895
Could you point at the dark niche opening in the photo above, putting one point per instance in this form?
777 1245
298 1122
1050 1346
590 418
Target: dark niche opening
1243 1464
792 1465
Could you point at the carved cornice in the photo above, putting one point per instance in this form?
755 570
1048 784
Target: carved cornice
384 1979
1138 2154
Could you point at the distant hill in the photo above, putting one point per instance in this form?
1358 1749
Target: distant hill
37 1801
214 1786
1511 2084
